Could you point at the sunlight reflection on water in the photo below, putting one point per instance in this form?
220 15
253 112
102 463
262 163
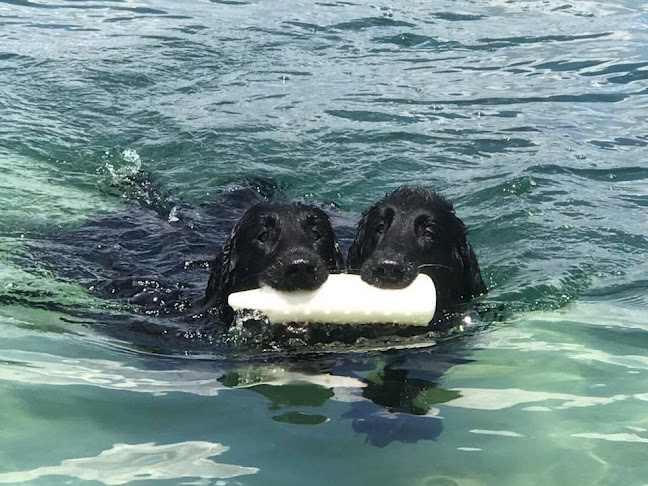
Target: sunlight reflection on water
124 463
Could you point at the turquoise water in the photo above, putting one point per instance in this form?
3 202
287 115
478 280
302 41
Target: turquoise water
529 115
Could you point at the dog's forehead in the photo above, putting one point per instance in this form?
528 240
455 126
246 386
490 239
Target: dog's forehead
406 214
286 214
403 211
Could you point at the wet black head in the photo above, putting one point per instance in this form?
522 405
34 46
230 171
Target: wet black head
285 246
410 231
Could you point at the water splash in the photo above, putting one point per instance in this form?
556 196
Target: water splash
132 183
132 167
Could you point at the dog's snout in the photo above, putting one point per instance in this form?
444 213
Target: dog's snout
296 272
302 273
388 273
391 273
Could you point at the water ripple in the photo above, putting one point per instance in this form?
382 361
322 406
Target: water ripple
537 132
126 463
491 399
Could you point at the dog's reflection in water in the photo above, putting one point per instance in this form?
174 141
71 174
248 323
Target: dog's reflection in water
391 396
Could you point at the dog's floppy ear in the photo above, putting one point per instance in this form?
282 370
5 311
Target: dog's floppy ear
221 276
357 251
471 279
338 259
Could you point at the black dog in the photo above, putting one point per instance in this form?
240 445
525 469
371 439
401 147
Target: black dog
410 231
285 246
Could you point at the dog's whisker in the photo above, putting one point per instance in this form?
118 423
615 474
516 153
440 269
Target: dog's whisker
433 265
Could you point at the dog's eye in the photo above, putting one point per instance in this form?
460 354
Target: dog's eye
314 224
428 235
263 236
380 228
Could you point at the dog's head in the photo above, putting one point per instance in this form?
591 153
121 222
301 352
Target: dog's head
285 246
410 231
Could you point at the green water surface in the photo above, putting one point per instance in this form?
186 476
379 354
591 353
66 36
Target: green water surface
530 116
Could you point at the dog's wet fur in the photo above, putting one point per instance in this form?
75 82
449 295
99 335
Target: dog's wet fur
414 230
285 246
176 264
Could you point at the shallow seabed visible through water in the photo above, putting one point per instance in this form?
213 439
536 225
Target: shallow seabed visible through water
531 116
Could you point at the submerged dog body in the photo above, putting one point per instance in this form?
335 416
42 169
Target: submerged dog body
410 231
285 246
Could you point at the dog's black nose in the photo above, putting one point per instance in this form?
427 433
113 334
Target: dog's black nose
389 274
296 272
300 269
303 273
